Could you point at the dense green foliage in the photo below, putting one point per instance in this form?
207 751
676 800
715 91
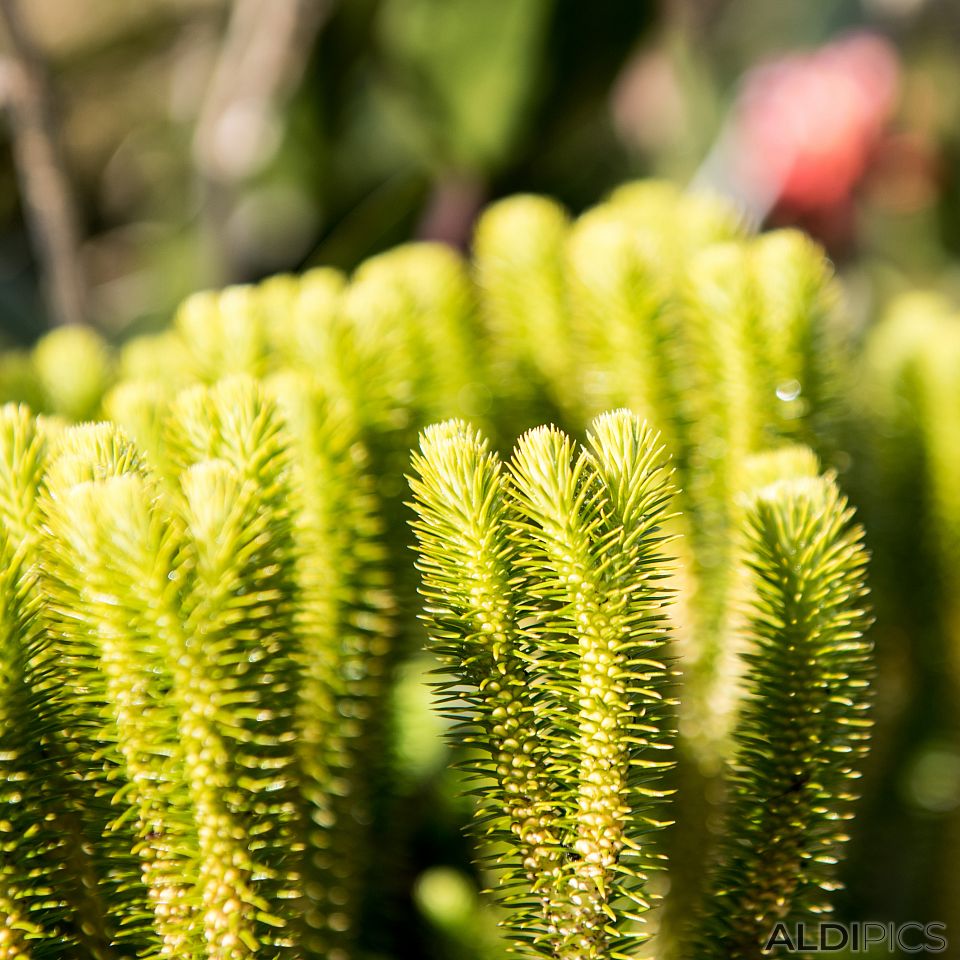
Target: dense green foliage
803 730
183 665
543 584
210 596
545 597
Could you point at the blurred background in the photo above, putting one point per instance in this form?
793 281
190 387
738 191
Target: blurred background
190 143
148 150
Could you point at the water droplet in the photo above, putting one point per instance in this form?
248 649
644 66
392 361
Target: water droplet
788 390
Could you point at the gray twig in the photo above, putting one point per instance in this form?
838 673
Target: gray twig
264 52
47 195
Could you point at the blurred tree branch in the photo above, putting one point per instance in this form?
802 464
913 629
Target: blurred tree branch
262 59
46 192
261 62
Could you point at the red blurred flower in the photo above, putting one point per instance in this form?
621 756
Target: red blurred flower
805 126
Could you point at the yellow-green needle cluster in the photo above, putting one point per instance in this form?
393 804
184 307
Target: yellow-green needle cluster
544 594
803 728
198 595
181 648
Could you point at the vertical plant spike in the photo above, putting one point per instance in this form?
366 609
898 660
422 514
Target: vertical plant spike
725 411
797 299
241 697
241 608
468 564
120 664
938 396
34 906
154 564
420 294
542 587
756 317
913 357
91 761
519 263
804 727
911 362
345 624
330 630
618 302
896 401
47 840
591 554
44 909
33 914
